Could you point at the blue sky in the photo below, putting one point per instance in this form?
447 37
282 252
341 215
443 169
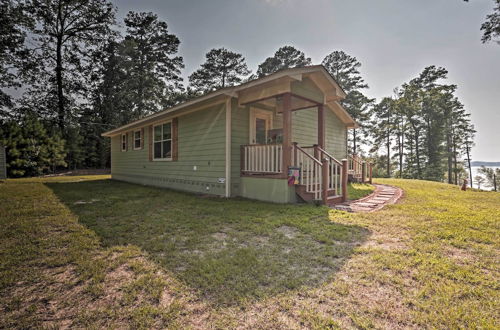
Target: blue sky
393 39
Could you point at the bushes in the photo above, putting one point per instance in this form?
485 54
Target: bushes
30 149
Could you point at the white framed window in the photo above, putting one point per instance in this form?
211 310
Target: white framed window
124 142
162 141
137 140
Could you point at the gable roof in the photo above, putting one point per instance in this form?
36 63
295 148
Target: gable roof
325 79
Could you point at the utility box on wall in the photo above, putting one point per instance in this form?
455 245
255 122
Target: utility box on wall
3 165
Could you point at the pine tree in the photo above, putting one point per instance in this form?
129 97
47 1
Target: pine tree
358 106
31 149
222 68
13 22
382 128
150 63
345 69
492 176
284 58
65 34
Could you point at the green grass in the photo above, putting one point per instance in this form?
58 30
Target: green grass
228 250
96 253
359 190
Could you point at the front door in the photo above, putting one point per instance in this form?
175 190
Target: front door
260 124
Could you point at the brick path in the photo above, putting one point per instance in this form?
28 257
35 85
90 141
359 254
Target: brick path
382 196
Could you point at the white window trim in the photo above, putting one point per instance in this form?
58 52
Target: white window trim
171 142
140 139
124 135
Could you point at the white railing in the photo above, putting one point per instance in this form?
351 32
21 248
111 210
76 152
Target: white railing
355 166
262 158
334 179
310 171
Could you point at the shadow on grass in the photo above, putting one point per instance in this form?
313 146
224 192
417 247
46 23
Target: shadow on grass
228 250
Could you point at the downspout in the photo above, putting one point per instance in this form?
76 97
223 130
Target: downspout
228 147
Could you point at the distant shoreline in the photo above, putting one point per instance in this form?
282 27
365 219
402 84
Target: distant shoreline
489 164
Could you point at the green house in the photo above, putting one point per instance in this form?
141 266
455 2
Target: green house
281 138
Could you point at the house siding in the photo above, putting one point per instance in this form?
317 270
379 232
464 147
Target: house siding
201 143
240 130
335 131
3 165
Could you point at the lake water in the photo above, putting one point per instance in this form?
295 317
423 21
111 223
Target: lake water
475 170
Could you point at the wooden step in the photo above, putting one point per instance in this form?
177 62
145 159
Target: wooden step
308 197
335 199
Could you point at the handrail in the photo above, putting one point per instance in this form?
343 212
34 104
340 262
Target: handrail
355 158
308 155
330 156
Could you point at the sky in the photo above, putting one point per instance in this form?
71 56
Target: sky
393 39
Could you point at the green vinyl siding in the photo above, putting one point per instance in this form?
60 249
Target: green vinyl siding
240 130
201 143
305 127
3 161
335 130
269 190
308 89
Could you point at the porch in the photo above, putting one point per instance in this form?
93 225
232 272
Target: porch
314 172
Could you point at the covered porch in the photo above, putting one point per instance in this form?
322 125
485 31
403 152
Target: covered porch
276 151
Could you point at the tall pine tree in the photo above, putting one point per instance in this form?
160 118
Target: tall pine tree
222 68
284 58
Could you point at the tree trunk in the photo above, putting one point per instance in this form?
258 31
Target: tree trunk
468 161
448 149
59 68
388 155
401 150
59 82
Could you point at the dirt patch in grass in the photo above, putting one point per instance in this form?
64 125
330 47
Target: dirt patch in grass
287 231
386 241
220 236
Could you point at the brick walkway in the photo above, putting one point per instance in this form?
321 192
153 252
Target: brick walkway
382 196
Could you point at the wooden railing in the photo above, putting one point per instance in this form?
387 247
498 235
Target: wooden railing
262 158
355 166
333 171
321 174
310 171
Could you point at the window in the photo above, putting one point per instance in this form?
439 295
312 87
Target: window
162 142
137 140
124 142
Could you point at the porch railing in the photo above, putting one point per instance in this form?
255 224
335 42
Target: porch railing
262 158
334 171
355 166
310 170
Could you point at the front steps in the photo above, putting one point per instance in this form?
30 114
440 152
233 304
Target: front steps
308 197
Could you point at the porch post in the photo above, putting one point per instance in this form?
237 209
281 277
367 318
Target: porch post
363 172
324 180
321 126
344 180
371 172
287 133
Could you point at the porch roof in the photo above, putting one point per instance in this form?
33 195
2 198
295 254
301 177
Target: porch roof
332 91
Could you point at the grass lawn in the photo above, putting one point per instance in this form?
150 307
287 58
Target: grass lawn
91 252
359 190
